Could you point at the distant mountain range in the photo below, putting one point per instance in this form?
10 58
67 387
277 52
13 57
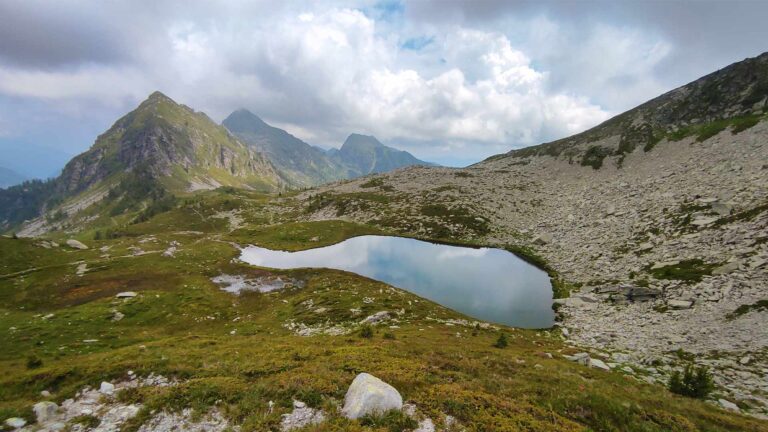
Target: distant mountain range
163 149
9 177
302 164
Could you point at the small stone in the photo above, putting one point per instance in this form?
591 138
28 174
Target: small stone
679 304
370 395
15 422
644 247
704 221
620 357
301 416
726 268
126 294
376 318
598 364
580 358
542 239
107 388
45 411
722 209
76 244
45 393
745 360
426 425
730 406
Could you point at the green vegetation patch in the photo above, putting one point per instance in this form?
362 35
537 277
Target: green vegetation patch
692 270
759 306
695 382
743 216
458 215
705 131
594 156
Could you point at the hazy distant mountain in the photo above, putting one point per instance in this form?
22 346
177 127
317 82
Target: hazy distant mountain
298 162
305 165
9 177
366 155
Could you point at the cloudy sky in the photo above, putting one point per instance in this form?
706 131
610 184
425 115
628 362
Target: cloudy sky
451 81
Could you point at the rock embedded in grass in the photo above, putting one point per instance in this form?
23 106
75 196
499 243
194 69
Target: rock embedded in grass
107 388
369 395
76 244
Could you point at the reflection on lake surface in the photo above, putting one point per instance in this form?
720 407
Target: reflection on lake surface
489 284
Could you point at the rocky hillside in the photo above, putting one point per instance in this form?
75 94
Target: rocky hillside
660 245
160 148
734 97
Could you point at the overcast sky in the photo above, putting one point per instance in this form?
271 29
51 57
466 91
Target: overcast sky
451 81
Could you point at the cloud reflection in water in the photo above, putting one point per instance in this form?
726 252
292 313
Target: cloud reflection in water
489 284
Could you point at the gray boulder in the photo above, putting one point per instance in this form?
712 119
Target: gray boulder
721 208
730 406
76 244
598 364
679 304
643 294
542 239
45 411
107 388
370 395
726 268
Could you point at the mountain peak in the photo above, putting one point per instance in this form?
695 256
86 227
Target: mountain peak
158 96
360 140
242 120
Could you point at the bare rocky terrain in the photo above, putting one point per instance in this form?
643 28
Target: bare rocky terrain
665 256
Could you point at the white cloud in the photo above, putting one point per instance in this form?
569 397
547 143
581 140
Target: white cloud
324 73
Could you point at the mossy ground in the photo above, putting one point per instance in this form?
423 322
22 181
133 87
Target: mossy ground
234 352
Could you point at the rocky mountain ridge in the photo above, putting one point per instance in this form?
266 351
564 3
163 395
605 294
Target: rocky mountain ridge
735 96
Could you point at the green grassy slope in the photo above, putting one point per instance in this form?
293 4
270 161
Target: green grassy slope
237 354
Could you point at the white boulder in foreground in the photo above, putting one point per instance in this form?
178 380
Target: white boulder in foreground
76 244
370 395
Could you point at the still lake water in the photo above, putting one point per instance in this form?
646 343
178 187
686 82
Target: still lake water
488 284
